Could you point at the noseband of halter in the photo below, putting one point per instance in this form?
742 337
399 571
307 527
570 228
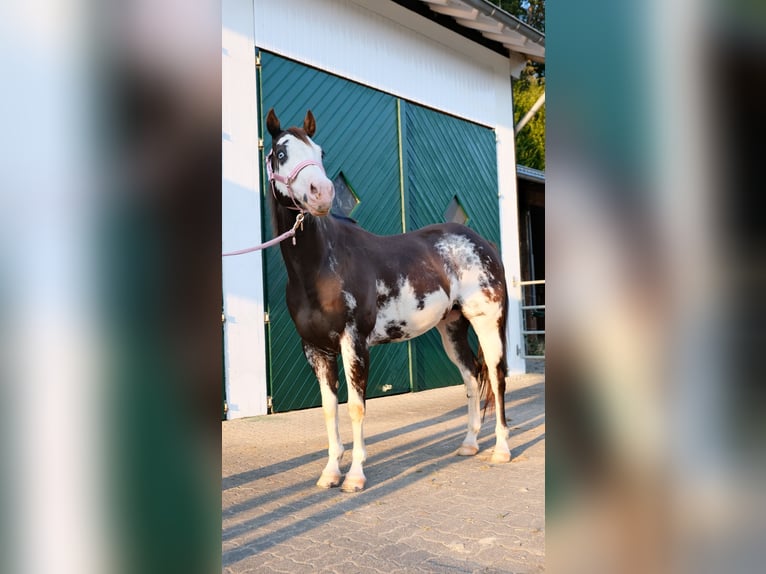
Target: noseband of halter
290 179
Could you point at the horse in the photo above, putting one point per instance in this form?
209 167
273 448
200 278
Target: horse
349 289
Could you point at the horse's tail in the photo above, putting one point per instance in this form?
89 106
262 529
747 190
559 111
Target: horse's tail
485 387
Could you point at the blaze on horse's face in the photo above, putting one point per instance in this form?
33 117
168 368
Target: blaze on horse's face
311 189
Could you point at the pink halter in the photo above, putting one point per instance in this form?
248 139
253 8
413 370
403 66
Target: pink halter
288 181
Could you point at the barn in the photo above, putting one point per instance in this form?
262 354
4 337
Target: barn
414 111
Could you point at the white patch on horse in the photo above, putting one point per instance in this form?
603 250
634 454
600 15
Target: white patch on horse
332 260
350 300
382 289
407 316
459 251
308 180
472 286
348 341
320 367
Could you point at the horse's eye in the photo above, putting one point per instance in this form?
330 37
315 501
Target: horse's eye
281 155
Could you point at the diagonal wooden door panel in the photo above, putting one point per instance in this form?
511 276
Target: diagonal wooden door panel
446 157
357 129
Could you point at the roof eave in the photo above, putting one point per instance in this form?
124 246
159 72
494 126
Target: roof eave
493 24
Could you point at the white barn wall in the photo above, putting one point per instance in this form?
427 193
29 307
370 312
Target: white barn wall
244 333
386 47
375 43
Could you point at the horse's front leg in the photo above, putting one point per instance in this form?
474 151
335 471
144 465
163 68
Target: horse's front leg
325 367
356 362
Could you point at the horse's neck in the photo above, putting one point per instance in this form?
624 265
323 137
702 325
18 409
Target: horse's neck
308 251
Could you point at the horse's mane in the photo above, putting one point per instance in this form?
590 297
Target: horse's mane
344 217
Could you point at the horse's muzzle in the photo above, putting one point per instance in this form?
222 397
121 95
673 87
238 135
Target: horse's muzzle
320 198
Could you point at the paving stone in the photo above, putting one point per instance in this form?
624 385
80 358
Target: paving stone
424 508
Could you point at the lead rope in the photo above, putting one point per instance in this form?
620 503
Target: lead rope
288 182
289 233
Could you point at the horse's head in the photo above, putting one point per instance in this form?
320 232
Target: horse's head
295 167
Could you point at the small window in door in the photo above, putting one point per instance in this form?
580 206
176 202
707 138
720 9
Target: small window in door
455 212
345 201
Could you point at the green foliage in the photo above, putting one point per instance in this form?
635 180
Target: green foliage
536 14
510 6
530 143
531 12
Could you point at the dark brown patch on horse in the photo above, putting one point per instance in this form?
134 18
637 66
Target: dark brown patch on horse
457 331
298 133
274 127
395 329
429 277
358 376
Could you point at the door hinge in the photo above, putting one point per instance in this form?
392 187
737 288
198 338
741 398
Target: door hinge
269 404
266 317
518 350
223 318
260 144
225 407
258 60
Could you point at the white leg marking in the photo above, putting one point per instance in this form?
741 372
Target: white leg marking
331 474
470 444
491 342
353 364
326 371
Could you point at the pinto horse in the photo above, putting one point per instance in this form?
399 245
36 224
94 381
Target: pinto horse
349 289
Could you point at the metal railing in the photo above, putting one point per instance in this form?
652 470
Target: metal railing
538 312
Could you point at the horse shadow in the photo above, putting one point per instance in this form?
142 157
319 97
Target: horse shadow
388 471
241 478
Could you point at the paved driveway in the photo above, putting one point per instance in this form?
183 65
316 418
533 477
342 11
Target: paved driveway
423 510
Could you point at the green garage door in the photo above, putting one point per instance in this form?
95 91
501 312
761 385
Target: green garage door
357 129
445 160
451 174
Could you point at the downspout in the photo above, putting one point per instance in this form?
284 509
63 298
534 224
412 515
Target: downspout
530 114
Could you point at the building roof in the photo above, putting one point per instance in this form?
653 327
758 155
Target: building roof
482 21
529 173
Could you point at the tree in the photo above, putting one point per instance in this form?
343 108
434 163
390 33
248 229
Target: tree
531 12
530 143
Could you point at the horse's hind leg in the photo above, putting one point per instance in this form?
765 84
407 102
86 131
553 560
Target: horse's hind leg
326 369
454 335
491 340
356 363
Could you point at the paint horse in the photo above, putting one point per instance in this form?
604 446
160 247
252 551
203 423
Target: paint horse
349 289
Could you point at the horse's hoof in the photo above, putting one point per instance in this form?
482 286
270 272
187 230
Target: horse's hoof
500 457
467 450
329 481
353 484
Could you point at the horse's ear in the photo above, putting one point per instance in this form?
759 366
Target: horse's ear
272 124
309 124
